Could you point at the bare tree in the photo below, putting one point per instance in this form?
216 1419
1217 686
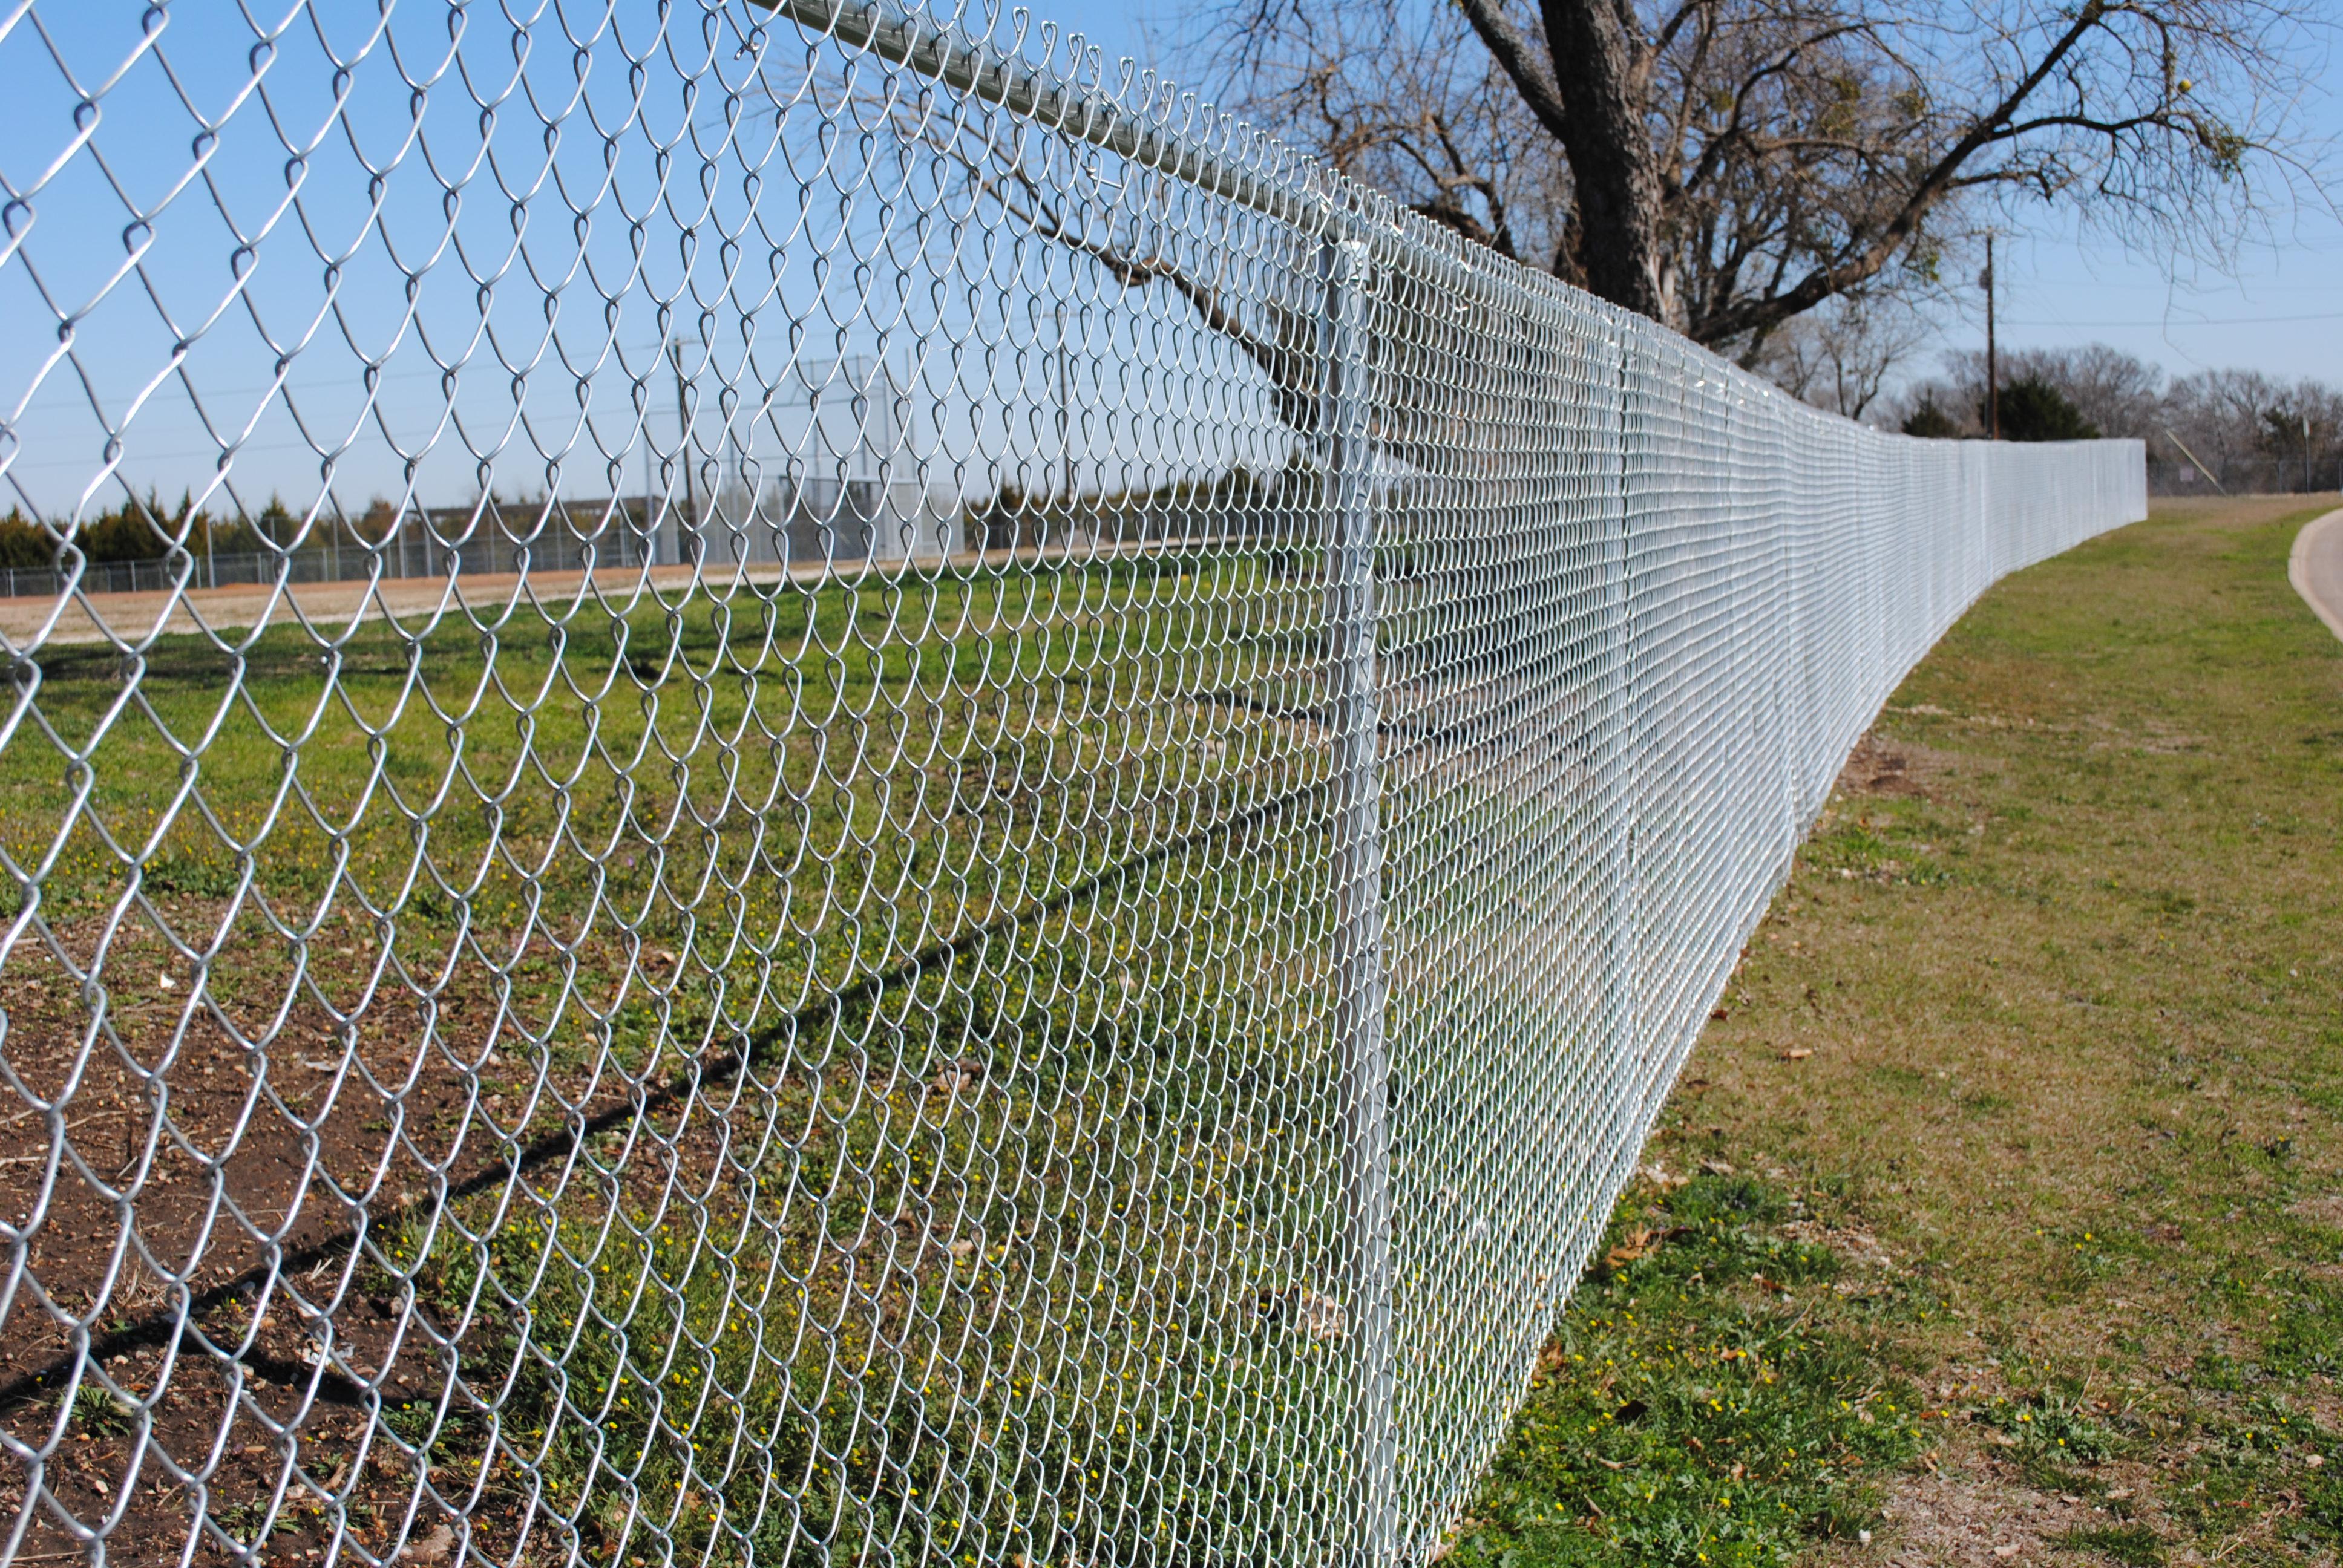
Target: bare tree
1842 355
1727 166
2254 431
2247 429
2118 393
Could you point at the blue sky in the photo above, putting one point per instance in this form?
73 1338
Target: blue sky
515 310
2278 307
523 394
2280 310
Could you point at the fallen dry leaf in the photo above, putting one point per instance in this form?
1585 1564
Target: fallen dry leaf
1639 1243
432 1548
963 1074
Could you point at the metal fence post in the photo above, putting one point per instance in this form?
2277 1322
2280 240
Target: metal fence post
1619 721
1358 897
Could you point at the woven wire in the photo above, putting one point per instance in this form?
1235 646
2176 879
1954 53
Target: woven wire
949 817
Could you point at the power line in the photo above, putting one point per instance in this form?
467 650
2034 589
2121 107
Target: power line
74 397
2192 321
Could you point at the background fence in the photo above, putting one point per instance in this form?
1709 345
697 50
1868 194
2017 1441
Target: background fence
2251 476
1058 957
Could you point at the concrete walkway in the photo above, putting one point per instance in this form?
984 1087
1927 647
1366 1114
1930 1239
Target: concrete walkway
2316 568
136 617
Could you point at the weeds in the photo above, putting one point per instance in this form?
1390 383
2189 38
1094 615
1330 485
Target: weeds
2133 1546
1704 1402
102 1413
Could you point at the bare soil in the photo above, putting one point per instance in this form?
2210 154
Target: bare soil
293 1098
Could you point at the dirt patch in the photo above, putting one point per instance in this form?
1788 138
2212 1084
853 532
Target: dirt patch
299 1090
1899 768
2320 1209
1853 1244
1970 1508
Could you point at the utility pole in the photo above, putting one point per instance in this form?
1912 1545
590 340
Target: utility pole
689 516
1992 351
1065 420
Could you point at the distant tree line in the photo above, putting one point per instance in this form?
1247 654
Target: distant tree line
145 529
2239 428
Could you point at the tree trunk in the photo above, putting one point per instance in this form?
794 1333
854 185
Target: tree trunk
1599 69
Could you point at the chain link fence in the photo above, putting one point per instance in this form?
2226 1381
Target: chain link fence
998 825
2248 476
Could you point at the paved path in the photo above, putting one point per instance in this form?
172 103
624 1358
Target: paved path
2316 569
136 616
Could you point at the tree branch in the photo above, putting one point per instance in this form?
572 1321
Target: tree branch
1512 51
1837 275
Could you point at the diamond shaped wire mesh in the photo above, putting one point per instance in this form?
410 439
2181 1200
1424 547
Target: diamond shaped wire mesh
813 786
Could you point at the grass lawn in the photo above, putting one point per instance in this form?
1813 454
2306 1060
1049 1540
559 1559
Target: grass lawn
1999 1216
1992 1217
780 1133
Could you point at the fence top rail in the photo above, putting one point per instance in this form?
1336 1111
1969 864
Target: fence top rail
1205 149
1275 182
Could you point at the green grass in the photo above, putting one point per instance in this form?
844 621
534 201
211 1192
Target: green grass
1709 1402
2132 1545
1003 902
2046 1208
607 753
2065 1047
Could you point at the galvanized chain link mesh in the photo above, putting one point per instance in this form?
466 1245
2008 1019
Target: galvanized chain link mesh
808 787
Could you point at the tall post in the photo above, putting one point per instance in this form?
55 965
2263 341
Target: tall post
1065 420
1616 721
1992 351
1358 867
689 517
